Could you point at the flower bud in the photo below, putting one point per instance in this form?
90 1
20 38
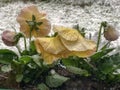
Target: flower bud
110 33
8 38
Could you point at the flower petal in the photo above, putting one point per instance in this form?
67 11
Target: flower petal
84 54
51 45
73 40
79 45
44 28
51 49
47 57
67 33
26 14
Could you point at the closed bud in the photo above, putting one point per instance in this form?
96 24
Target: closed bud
8 38
110 33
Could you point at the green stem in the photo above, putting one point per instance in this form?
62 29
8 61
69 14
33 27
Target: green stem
25 43
94 68
18 49
31 29
30 35
99 37
105 46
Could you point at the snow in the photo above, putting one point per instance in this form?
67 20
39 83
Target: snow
68 14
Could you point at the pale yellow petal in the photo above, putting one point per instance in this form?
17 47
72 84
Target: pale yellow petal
51 49
26 15
52 45
84 54
25 29
73 40
44 28
38 46
79 45
27 12
47 57
67 33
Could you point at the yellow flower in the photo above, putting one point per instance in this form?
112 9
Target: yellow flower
68 34
51 49
31 16
74 41
68 42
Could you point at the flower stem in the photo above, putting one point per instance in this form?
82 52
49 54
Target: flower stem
31 29
25 43
30 36
99 37
105 46
18 49
92 66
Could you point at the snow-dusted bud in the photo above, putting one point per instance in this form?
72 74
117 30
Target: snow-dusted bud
110 33
8 38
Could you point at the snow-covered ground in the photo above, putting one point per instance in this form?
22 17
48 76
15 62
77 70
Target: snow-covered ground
88 17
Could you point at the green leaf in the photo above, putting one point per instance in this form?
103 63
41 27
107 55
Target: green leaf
19 77
6 56
115 58
55 80
100 54
25 52
78 71
70 61
106 67
32 65
6 68
36 59
27 79
42 86
25 59
110 64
